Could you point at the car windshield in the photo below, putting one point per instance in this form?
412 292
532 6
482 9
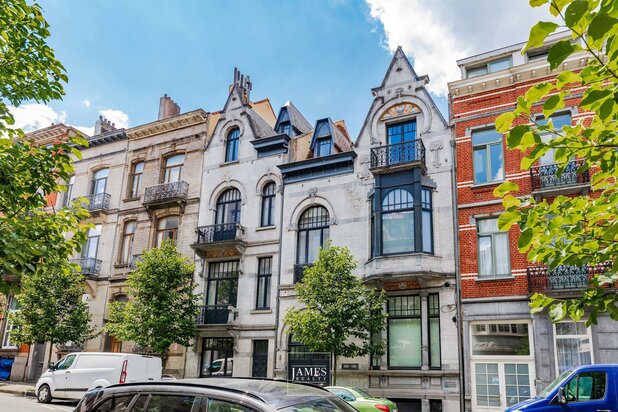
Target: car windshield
362 393
554 384
320 405
88 400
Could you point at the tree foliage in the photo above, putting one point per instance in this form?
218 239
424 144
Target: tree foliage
339 314
572 230
29 71
51 308
162 307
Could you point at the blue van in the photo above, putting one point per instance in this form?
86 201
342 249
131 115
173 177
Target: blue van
590 388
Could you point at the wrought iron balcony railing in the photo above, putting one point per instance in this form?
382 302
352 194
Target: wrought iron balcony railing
562 278
299 271
218 233
98 202
89 266
398 153
133 261
546 176
215 315
166 192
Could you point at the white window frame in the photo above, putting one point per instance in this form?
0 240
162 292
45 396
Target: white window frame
589 334
501 360
8 327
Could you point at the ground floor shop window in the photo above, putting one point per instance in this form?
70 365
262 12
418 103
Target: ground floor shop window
502 364
217 357
404 332
573 346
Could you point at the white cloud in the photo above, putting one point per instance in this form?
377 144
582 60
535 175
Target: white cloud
34 116
86 103
120 118
436 33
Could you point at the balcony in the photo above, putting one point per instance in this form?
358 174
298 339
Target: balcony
98 202
545 179
398 156
216 315
90 267
562 279
299 271
221 238
133 262
165 194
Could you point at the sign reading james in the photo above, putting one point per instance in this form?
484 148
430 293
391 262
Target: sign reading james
311 369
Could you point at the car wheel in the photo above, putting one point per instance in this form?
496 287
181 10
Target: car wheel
44 394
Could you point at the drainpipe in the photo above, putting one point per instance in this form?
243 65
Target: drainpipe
460 333
277 304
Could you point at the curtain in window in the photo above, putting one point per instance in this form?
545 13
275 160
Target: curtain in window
404 342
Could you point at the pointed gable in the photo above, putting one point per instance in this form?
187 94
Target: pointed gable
325 128
290 116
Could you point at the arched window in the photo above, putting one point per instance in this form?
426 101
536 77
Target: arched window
99 181
397 222
268 205
231 145
173 168
128 234
167 229
228 207
312 234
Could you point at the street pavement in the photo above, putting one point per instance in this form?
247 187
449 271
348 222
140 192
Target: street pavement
16 403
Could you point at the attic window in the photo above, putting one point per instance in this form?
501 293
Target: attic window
537 54
324 140
285 128
489 67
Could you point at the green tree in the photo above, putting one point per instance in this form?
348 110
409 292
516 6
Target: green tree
339 314
51 306
29 71
577 230
162 307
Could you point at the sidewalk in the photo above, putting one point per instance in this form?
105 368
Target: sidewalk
17 388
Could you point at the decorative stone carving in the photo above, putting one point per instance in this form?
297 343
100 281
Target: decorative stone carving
401 109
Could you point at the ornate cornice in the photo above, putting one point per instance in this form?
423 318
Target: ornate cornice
51 133
173 123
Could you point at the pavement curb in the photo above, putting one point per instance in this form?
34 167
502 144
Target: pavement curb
21 390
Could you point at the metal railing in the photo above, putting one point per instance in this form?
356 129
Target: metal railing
214 315
133 261
546 176
89 266
218 233
398 153
566 277
97 202
166 191
299 271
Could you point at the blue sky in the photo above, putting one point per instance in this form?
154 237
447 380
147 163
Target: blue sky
324 55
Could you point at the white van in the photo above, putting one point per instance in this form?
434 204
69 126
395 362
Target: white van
221 367
79 372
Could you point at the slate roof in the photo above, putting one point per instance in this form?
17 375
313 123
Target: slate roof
341 141
258 125
297 119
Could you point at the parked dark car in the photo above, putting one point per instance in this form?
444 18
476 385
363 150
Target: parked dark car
213 395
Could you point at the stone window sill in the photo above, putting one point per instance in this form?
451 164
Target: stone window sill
261 311
259 229
488 184
131 199
490 279
233 162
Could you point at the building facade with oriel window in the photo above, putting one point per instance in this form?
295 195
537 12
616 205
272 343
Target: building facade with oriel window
511 355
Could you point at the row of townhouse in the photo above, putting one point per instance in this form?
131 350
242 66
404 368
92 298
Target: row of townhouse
250 195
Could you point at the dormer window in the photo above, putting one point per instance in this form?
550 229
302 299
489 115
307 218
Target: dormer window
489 67
285 128
324 141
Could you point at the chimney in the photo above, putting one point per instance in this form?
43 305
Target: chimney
243 83
167 107
102 125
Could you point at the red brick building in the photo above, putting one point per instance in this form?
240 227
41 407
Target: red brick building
509 354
